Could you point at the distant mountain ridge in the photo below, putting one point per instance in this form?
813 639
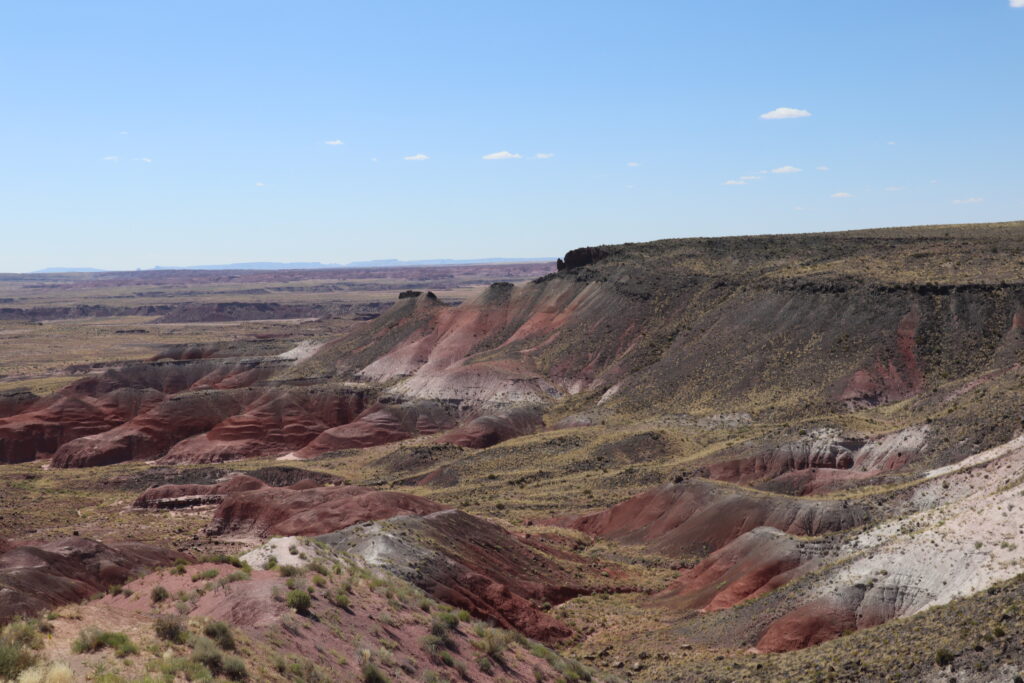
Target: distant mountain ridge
312 265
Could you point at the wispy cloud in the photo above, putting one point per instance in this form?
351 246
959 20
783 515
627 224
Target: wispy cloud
786 113
333 142
894 188
633 164
111 158
146 160
841 195
259 184
503 154
823 168
417 157
786 169
750 177
734 182
544 155
1016 3
971 200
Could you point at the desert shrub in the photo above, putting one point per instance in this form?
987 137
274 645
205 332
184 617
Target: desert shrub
234 668
319 581
943 657
169 628
443 623
494 643
205 575
172 666
289 570
222 558
318 567
232 577
270 563
206 653
339 598
159 594
48 673
93 640
433 646
299 601
14 659
371 674
25 633
221 634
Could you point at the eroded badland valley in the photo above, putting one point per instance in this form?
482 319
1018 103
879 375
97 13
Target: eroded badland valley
770 458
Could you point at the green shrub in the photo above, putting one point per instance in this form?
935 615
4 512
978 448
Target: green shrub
171 666
289 570
205 652
234 668
158 594
221 634
943 657
25 633
371 674
270 563
93 640
205 575
14 659
494 643
299 601
339 598
170 628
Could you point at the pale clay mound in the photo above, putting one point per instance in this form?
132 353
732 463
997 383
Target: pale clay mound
971 539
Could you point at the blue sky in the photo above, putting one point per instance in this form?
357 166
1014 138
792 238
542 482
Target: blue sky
140 133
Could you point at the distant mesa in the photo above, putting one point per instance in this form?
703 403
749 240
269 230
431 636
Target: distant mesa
312 265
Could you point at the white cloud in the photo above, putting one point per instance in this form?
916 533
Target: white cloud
503 154
734 182
111 158
123 132
970 200
823 168
1016 3
144 159
893 188
633 164
259 184
333 142
544 155
786 113
890 143
417 157
786 169
841 195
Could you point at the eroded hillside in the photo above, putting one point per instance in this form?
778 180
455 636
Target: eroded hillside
681 459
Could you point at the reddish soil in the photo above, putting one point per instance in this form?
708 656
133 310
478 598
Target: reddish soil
33 579
698 516
304 509
756 563
477 565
